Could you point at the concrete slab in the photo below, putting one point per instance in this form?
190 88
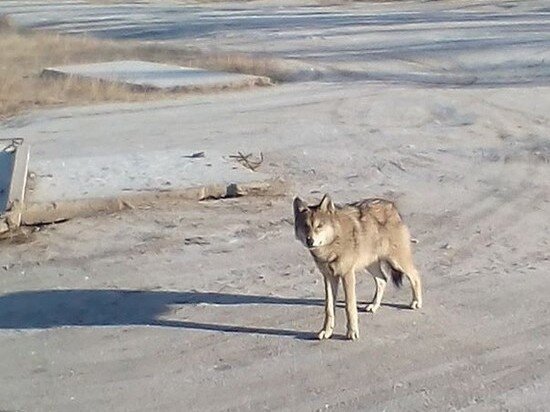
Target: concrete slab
150 75
89 177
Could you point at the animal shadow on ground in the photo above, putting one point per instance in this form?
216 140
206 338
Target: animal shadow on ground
110 307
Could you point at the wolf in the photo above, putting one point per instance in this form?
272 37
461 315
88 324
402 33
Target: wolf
369 234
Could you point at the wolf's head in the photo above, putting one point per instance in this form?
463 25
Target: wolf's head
313 225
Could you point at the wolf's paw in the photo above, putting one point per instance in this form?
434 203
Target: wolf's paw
324 334
372 308
416 304
353 334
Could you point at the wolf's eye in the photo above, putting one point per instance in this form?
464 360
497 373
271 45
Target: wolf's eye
319 226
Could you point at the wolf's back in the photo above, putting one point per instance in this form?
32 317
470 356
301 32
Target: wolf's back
382 210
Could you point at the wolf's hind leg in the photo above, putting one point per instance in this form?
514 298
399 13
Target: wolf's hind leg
379 276
403 263
416 285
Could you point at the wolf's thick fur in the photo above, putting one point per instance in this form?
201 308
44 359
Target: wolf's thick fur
369 234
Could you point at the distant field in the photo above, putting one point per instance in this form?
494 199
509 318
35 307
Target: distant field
25 53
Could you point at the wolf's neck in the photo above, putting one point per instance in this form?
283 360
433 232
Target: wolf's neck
324 254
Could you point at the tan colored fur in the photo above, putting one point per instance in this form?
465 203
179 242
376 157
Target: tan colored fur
369 234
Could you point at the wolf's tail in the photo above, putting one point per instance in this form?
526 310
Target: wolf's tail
397 277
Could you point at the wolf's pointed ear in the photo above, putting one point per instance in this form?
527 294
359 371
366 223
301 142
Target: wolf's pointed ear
299 206
326 204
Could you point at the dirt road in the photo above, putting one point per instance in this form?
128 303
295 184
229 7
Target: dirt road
213 306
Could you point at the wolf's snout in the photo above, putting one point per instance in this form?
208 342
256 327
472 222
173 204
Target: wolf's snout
309 241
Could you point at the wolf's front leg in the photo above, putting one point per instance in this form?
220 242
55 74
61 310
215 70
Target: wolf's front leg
351 306
331 294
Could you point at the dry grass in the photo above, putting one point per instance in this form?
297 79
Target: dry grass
25 53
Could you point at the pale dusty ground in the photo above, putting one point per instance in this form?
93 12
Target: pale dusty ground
212 306
234 299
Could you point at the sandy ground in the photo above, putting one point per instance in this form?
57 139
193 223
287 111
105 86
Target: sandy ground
213 306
